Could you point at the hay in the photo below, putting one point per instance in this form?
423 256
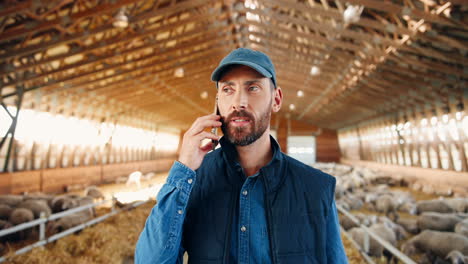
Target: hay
111 241
354 257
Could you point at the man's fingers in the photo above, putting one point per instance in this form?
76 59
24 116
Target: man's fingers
208 135
201 125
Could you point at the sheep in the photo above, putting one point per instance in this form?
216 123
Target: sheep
11 199
149 175
438 206
399 231
93 192
134 177
410 225
363 219
371 197
459 205
456 257
354 202
437 243
36 206
375 248
5 211
408 207
19 216
438 222
62 202
38 196
81 201
347 223
462 228
85 201
387 204
68 222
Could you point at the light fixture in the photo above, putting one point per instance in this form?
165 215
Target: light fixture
120 19
179 72
292 107
204 95
300 93
352 14
314 71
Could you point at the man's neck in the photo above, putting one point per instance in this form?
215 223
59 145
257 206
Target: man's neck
256 155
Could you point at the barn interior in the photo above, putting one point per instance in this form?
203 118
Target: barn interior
93 91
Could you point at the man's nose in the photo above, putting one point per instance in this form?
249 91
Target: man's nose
240 101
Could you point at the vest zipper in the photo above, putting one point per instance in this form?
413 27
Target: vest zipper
268 211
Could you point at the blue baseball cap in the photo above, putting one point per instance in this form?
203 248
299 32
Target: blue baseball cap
256 60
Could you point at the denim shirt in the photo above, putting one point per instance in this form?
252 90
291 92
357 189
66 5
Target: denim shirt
160 240
313 237
249 240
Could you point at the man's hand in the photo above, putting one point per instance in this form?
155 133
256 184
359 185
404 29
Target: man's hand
191 153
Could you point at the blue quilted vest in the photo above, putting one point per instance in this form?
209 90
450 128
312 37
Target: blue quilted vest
297 201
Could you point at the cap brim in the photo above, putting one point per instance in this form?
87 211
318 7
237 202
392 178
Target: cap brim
216 75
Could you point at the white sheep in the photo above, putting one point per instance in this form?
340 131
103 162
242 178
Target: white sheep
134 177
149 176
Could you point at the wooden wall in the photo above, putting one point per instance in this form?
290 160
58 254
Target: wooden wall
56 179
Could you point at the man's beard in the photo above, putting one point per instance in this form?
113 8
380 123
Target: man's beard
241 136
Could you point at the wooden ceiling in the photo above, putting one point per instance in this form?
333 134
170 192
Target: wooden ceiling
68 57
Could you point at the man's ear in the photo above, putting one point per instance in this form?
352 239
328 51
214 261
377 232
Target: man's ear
277 99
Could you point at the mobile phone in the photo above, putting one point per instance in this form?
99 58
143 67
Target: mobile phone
214 130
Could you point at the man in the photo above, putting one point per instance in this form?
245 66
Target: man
245 202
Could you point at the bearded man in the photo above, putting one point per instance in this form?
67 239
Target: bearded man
245 202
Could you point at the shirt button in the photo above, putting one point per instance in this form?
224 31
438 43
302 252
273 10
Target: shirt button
244 192
243 228
190 181
180 211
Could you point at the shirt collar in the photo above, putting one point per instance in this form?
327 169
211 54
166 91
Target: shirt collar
272 170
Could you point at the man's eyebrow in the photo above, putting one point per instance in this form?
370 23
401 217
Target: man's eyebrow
249 82
227 82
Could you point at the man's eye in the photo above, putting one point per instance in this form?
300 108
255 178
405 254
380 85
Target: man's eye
227 89
253 88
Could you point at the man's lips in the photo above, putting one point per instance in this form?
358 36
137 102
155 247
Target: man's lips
239 121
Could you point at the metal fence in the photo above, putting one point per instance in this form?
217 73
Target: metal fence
42 221
368 233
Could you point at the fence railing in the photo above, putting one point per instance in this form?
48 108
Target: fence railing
369 233
42 221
